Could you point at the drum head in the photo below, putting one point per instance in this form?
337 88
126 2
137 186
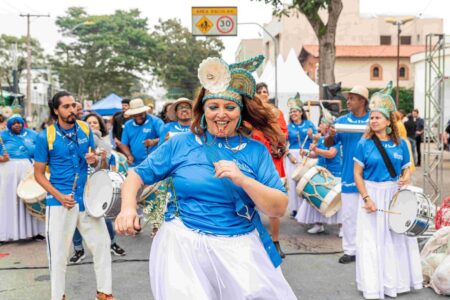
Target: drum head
404 202
29 190
98 194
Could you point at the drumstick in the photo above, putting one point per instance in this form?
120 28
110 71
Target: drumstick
389 211
315 140
74 186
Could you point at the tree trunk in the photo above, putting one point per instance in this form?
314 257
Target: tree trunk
327 58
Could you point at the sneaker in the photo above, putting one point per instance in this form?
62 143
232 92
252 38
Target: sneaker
316 229
78 256
39 237
117 250
346 259
293 214
277 245
103 296
341 232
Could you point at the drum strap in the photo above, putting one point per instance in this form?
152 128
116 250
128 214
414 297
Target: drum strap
385 156
246 211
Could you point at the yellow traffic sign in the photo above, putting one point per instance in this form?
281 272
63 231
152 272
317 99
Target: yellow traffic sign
204 24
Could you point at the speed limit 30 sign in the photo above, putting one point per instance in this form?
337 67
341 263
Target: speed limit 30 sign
214 21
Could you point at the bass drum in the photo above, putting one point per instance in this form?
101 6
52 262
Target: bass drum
33 194
120 165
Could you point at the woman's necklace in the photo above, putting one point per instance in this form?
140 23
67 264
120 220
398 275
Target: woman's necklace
238 147
212 143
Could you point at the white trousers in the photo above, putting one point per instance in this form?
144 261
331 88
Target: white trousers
349 213
295 200
387 263
185 264
60 227
16 223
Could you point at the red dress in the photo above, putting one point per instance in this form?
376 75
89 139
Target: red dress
259 136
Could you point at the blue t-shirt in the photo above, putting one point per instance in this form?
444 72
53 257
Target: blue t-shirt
334 165
298 132
19 146
65 160
374 168
173 128
133 135
204 201
349 141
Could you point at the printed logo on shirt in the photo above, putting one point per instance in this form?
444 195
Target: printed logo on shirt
82 141
350 120
398 156
146 130
243 166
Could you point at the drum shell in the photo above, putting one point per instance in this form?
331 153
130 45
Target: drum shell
303 166
37 209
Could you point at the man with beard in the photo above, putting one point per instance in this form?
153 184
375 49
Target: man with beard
118 122
357 104
141 135
65 148
79 111
180 112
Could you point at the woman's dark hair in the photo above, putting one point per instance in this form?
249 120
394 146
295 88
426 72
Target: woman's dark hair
255 115
103 129
261 85
304 116
55 102
2 119
163 114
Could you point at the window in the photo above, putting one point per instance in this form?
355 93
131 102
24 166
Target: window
385 39
405 40
376 72
403 72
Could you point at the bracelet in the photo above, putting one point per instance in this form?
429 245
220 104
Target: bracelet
365 198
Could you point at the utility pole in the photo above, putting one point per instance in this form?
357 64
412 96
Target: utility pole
13 51
28 96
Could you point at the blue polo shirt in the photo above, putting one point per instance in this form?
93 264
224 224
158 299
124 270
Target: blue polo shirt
19 146
349 141
334 165
173 128
374 169
65 160
205 202
133 135
298 132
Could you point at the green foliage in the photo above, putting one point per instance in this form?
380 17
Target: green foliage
179 54
6 60
107 52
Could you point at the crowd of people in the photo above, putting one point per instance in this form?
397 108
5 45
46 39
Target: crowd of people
222 158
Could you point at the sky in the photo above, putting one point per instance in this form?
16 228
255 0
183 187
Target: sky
45 30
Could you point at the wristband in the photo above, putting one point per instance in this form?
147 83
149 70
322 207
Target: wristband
365 198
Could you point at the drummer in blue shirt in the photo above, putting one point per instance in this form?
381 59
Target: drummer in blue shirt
357 104
180 112
213 244
141 135
16 151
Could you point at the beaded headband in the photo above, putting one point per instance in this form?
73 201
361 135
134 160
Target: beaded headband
229 82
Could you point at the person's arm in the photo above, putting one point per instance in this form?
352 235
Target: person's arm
330 153
124 148
127 222
329 139
369 205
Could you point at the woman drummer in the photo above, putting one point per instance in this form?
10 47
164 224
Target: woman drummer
330 159
300 132
387 263
213 244
16 151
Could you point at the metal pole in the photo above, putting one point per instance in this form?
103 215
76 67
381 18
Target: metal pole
398 63
275 45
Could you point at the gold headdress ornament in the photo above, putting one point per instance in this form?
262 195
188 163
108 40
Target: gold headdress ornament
383 102
229 82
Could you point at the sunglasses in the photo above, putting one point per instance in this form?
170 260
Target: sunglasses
180 107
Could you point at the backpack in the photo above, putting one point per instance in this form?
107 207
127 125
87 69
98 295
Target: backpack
51 133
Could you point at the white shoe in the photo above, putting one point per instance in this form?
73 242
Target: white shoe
316 229
341 233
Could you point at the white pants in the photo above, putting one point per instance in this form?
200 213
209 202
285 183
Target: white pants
185 264
295 200
60 227
349 214
387 263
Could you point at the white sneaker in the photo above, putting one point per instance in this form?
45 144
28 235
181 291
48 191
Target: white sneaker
316 229
341 233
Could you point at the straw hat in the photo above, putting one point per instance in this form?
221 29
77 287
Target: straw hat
137 106
358 90
7 112
171 112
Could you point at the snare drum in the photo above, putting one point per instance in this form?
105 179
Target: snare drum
121 165
303 166
102 194
416 212
322 190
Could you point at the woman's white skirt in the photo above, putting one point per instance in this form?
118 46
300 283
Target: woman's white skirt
15 221
309 215
295 200
185 264
387 263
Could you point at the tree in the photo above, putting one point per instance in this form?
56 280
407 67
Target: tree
180 53
6 59
108 53
325 32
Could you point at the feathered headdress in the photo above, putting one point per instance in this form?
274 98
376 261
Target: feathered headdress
295 103
383 102
229 82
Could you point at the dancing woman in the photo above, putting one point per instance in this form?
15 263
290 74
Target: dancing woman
213 244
